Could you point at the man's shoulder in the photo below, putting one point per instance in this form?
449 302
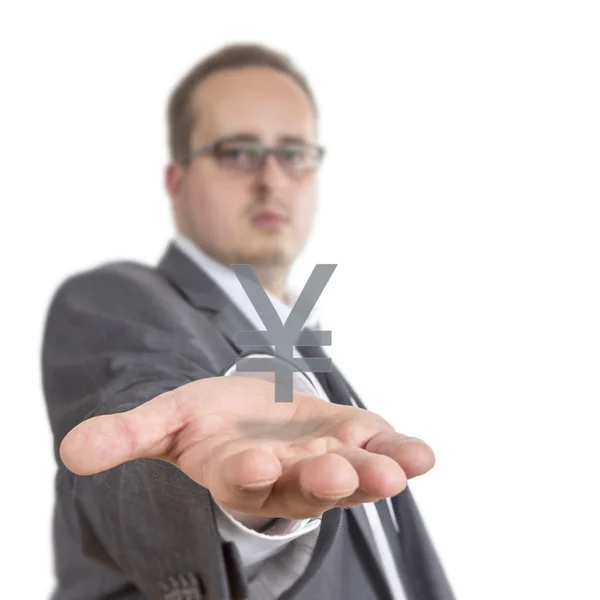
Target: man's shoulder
128 269
113 273
110 282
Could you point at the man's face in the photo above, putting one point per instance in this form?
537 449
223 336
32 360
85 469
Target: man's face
260 217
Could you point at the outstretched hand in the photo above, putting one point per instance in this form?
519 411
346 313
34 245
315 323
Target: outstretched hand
257 456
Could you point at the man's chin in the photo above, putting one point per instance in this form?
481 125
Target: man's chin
275 257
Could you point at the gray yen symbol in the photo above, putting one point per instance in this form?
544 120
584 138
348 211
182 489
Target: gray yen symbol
284 336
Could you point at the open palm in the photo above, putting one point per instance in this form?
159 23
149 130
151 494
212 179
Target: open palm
257 456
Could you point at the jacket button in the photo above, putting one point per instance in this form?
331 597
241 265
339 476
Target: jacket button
182 587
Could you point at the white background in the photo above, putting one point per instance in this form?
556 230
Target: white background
459 200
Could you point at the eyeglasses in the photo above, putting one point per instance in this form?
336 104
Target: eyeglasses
250 155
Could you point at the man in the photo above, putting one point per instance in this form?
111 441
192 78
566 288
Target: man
179 476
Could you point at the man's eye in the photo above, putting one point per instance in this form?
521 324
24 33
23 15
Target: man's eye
293 153
238 152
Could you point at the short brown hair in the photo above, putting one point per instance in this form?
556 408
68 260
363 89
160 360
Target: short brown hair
180 116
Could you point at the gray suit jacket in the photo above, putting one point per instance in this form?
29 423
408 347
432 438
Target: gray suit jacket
118 335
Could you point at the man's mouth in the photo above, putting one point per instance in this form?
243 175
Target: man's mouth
268 219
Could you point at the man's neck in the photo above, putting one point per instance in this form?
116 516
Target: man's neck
273 279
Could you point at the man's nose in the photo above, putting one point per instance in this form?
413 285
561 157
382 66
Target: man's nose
271 174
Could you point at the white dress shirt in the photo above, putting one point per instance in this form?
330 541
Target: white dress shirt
256 547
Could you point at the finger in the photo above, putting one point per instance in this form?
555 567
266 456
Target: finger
379 476
106 441
244 480
413 455
310 486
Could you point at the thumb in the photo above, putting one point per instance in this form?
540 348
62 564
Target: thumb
106 441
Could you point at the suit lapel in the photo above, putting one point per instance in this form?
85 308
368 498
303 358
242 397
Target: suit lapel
205 295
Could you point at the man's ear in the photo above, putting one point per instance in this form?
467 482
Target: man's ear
173 178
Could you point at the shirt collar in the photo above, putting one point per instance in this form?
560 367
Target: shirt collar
227 280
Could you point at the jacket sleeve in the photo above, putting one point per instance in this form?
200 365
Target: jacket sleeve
114 339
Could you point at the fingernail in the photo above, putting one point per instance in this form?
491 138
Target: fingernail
326 498
256 487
